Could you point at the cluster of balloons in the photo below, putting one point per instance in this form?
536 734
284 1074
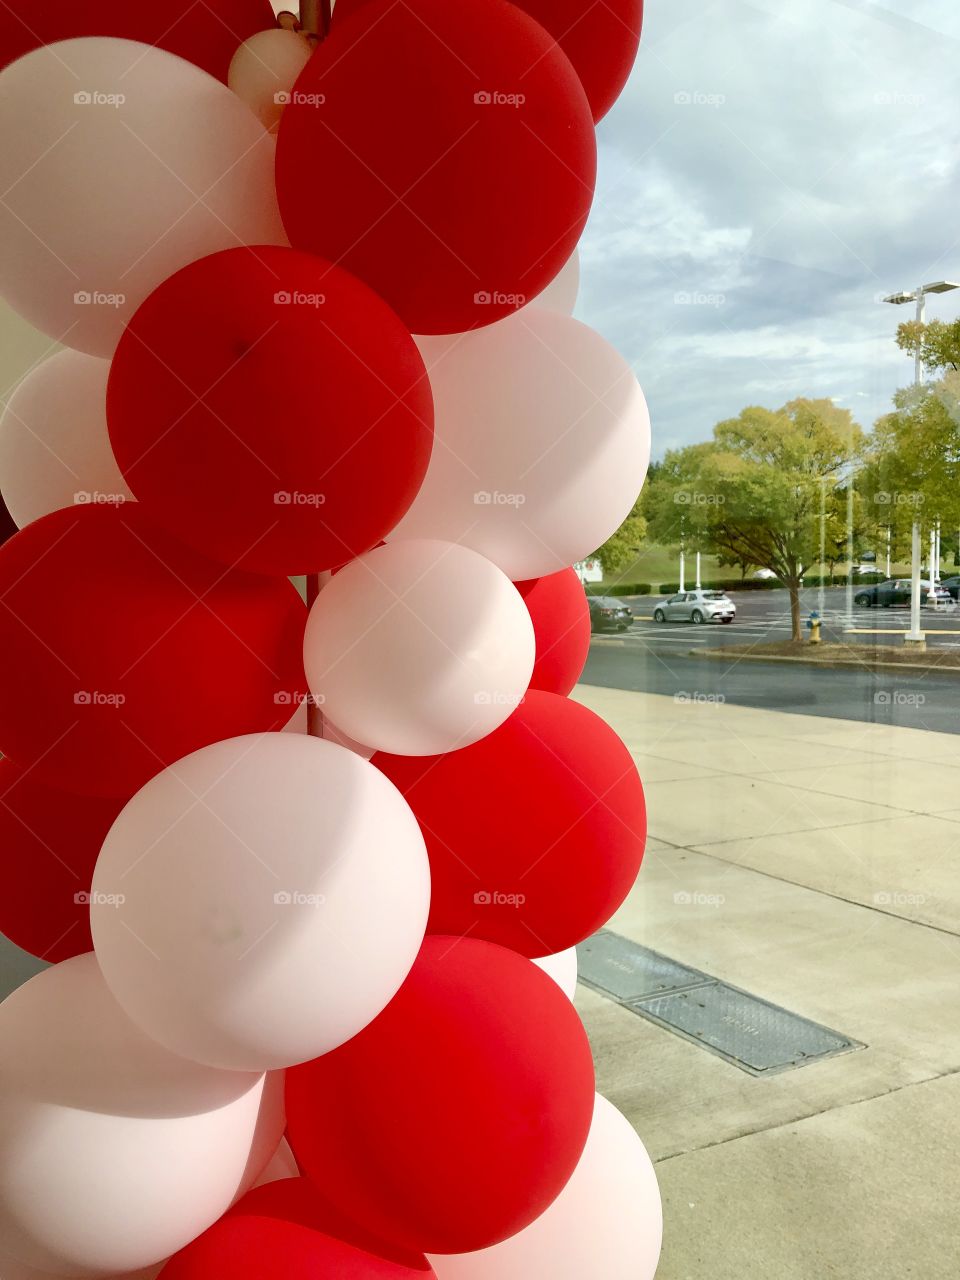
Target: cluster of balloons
309 881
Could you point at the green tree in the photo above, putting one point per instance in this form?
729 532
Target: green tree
913 471
754 491
621 548
937 342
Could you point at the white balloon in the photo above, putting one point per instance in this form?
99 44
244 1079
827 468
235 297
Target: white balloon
120 164
562 968
114 1153
11 1270
561 293
260 901
299 722
54 446
606 1223
282 1165
542 440
419 647
333 733
264 70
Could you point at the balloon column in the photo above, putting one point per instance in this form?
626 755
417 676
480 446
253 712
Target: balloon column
309 881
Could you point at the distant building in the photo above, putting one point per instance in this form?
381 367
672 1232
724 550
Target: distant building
589 570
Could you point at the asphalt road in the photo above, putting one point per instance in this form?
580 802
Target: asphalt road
655 658
765 615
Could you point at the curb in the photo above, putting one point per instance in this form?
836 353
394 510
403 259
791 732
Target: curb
719 654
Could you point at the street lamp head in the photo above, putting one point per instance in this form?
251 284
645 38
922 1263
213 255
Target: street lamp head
902 296
940 286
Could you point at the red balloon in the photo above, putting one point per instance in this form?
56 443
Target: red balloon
123 651
49 842
601 40
444 153
535 833
207 33
561 625
278 1232
456 1117
270 410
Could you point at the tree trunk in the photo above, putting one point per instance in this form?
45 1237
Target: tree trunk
793 585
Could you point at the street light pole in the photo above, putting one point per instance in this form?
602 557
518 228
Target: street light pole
850 548
919 295
823 542
915 636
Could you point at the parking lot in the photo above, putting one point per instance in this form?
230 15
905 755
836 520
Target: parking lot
680 660
764 616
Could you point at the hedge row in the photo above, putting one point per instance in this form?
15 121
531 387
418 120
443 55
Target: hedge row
723 584
619 589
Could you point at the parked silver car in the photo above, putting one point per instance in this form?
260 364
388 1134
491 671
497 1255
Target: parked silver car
696 606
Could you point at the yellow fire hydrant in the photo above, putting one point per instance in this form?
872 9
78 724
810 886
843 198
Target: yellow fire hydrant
813 624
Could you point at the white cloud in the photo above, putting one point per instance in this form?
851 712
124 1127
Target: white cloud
796 157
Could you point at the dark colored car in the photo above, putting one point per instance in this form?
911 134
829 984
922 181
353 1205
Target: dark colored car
952 585
897 591
608 614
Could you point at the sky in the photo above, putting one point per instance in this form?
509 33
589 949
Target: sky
771 171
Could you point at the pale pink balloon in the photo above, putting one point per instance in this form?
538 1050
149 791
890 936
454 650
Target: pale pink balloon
12 1270
114 1152
275 890
282 1165
419 647
562 968
606 1224
120 164
561 293
264 70
542 440
54 448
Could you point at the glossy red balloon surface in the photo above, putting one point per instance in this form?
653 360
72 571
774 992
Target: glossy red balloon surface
270 410
535 833
561 624
123 650
49 843
600 39
207 33
279 1232
457 1115
444 153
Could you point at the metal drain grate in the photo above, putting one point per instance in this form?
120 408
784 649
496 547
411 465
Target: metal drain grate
758 1037
749 1032
621 968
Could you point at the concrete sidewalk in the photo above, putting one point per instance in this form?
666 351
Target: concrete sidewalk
829 854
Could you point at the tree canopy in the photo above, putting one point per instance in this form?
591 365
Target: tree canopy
754 493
